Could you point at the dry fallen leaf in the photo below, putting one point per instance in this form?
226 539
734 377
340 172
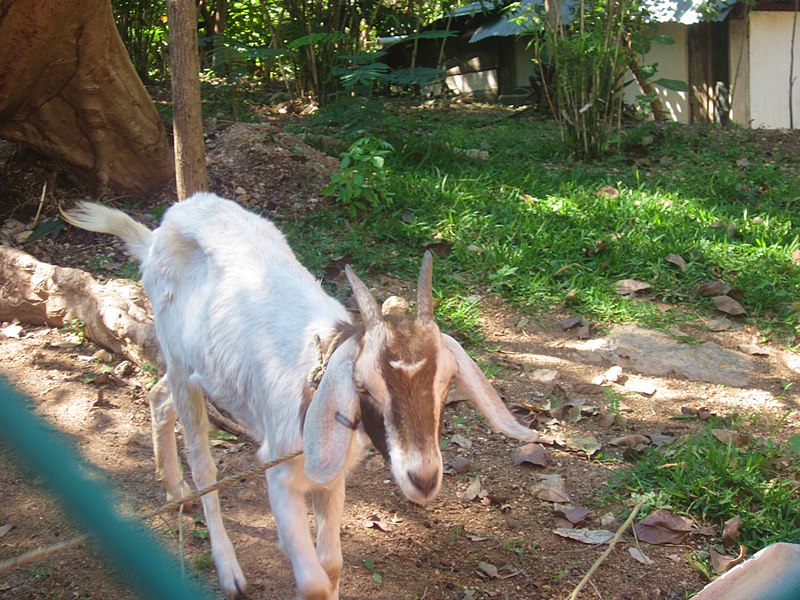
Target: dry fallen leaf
587 443
374 522
755 350
614 374
5 529
550 488
728 305
677 260
721 324
458 465
461 441
608 191
586 536
663 527
732 530
534 454
12 331
639 442
570 322
728 436
640 556
722 563
713 288
473 491
628 287
587 389
574 514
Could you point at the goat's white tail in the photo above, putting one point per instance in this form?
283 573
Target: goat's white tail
101 219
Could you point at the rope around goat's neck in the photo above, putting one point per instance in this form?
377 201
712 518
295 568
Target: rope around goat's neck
317 373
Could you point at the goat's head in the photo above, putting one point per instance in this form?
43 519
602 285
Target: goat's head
395 379
402 374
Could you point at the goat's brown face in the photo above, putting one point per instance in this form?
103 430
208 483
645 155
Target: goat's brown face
402 374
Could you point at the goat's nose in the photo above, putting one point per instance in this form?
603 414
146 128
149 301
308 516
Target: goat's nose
425 481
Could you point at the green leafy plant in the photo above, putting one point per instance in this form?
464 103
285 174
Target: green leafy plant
714 481
370 565
359 183
75 328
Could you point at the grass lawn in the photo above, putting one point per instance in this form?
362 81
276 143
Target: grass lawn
507 209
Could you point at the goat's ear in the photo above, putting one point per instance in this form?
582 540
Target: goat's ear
326 437
472 383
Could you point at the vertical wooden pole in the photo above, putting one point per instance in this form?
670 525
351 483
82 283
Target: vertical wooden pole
190 160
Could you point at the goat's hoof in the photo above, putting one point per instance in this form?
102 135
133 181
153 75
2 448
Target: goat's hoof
232 581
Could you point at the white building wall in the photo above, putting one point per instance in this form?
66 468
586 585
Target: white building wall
770 50
673 63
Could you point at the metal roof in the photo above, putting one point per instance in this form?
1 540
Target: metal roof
522 17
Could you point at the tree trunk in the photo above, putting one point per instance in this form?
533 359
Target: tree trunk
69 91
190 158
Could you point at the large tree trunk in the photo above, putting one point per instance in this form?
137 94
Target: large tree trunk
69 91
190 157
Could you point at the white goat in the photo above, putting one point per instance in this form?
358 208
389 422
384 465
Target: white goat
237 316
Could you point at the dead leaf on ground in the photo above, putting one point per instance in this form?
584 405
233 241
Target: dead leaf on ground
663 527
677 260
574 514
550 488
641 386
586 443
629 287
5 529
533 454
713 288
587 389
488 570
728 305
474 491
593 537
722 563
457 466
374 522
640 556
570 322
728 436
721 324
12 331
461 441
608 191
731 530
614 374
755 350
636 441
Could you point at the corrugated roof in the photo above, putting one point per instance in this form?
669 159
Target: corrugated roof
520 19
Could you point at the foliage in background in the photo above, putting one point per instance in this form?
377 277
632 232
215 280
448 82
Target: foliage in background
360 182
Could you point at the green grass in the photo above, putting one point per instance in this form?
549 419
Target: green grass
528 224
713 482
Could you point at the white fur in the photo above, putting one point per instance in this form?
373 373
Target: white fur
236 316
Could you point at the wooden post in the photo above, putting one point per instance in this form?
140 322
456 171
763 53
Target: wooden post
190 160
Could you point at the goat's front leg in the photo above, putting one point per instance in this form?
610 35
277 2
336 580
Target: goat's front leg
191 409
162 420
328 508
288 503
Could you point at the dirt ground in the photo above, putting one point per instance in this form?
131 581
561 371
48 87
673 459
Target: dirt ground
392 549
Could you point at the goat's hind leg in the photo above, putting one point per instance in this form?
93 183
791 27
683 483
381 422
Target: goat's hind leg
190 405
162 420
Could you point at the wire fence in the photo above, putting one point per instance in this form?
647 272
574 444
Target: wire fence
129 549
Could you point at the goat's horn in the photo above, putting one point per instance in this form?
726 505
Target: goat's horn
425 289
367 306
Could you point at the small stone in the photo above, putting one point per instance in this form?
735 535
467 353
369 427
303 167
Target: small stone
545 375
123 369
104 356
721 324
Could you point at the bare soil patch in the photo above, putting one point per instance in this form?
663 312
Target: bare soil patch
431 552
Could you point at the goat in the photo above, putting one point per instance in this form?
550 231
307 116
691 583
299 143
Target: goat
240 320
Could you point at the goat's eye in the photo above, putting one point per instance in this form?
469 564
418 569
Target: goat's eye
361 388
